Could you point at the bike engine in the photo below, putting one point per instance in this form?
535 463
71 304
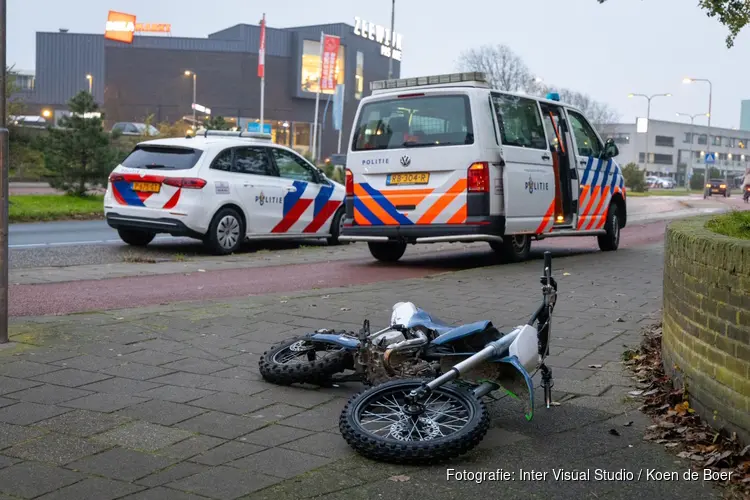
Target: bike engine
395 360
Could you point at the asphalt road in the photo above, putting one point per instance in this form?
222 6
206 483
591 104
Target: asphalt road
79 296
95 243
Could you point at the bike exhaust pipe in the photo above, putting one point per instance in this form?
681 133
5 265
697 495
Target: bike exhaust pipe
399 346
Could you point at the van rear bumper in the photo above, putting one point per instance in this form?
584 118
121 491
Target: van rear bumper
476 229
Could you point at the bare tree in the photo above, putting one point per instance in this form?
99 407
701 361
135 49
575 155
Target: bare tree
504 69
598 113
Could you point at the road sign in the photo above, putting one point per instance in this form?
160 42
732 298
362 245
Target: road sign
201 109
255 127
710 158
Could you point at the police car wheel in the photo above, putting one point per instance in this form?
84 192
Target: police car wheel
135 237
226 232
387 252
337 224
611 240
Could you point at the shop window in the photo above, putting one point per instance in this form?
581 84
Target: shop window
663 140
359 76
311 67
302 134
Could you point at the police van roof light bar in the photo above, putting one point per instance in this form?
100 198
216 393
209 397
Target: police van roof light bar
473 76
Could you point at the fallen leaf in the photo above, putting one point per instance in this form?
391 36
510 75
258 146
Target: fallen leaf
651 392
595 366
672 445
744 451
400 479
555 403
635 393
628 424
614 432
566 274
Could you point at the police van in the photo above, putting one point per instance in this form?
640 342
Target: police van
447 159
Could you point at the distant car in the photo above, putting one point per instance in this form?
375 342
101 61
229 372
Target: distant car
134 128
665 182
717 186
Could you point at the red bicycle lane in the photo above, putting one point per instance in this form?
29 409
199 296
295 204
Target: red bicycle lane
115 293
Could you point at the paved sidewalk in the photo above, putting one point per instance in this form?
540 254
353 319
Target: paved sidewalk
166 402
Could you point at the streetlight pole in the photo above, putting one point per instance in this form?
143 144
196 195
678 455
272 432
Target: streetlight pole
689 167
189 73
393 39
648 117
708 132
3 184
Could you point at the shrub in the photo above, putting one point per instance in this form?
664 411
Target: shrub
635 179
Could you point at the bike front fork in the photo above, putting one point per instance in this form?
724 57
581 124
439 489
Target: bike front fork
547 384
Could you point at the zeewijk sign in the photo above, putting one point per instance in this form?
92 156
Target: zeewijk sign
390 43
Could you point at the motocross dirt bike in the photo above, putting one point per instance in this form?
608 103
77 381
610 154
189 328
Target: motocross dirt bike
391 353
418 421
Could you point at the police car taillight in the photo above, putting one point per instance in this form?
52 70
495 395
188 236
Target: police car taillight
349 183
116 177
185 182
478 177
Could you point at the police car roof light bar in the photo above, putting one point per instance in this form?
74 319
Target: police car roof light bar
472 76
230 133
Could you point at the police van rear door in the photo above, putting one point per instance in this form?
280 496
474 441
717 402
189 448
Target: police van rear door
409 157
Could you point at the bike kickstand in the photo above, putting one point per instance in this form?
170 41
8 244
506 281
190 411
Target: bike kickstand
547 384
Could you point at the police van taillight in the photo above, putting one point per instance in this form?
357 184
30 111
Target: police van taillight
349 183
478 177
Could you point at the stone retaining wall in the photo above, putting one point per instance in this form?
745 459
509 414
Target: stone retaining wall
706 336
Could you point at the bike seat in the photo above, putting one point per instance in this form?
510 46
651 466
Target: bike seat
458 332
422 318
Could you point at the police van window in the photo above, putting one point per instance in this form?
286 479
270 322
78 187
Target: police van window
292 167
520 121
586 140
252 161
411 122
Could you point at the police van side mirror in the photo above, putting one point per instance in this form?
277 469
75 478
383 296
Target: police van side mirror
610 150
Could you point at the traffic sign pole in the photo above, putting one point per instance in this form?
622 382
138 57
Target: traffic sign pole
4 165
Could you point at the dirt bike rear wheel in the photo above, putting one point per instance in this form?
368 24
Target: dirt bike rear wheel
296 360
454 422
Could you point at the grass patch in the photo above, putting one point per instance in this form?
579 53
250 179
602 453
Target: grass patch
735 224
48 207
664 192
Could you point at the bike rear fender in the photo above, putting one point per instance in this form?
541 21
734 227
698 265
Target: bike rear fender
343 341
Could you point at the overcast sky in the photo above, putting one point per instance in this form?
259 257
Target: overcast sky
607 51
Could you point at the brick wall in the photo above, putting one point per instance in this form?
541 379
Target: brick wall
706 339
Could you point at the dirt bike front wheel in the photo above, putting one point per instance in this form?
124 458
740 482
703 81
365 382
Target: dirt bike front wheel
303 360
378 424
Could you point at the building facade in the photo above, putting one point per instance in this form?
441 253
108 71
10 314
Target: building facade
676 148
147 77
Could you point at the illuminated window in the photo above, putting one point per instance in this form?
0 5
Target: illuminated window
311 67
301 134
360 75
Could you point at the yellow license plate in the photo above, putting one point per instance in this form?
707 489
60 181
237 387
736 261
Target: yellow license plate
402 179
147 187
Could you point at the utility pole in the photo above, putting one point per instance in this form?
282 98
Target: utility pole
648 118
708 132
4 166
393 39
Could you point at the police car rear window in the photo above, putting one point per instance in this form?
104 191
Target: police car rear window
412 122
162 158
